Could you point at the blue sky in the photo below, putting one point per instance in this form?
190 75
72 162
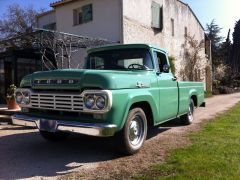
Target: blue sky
226 12
36 3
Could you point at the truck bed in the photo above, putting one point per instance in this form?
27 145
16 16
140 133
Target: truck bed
187 90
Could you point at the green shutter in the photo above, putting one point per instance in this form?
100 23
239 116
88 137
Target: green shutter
157 16
161 18
87 13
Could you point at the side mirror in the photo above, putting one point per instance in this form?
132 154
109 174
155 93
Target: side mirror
166 68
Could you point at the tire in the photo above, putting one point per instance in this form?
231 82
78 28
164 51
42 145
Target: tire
54 136
188 118
134 132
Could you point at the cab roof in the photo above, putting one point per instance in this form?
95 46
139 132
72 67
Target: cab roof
125 46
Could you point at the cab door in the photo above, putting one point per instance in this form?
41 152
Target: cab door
168 88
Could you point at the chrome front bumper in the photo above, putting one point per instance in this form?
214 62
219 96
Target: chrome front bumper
67 126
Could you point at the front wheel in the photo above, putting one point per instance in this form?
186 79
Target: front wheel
188 118
134 132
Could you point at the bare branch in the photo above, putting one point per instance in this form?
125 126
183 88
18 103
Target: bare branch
191 65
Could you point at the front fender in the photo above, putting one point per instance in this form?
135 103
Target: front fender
123 100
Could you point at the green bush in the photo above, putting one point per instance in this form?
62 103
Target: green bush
208 94
172 64
11 92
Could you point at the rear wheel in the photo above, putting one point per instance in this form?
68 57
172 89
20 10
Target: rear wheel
188 118
54 136
134 132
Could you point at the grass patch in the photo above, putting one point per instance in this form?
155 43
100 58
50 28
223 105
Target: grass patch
214 154
208 94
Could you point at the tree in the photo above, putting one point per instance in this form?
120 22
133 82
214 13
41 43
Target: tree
235 60
213 31
17 21
225 50
191 66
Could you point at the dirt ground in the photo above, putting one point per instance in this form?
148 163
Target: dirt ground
24 154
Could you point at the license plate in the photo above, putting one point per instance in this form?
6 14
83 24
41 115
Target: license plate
48 125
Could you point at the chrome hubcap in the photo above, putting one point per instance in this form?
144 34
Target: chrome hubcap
190 112
136 131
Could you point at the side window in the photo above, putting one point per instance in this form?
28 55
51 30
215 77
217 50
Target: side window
173 29
162 60
185 32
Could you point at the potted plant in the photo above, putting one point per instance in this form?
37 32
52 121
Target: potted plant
11 97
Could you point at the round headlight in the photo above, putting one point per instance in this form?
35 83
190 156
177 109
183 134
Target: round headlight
26 97
89 101
100 102
19 97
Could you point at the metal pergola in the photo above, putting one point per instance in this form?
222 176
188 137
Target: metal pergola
56 48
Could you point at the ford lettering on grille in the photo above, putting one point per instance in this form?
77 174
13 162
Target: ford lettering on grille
56 81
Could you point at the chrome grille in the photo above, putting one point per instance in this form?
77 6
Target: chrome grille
59 102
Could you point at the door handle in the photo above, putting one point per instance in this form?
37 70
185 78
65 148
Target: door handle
174 78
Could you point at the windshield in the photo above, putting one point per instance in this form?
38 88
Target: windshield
124 59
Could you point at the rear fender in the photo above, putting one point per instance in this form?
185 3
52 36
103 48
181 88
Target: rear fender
193 92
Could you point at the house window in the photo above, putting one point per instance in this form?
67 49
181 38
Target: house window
185 32
82 15
157 16
172 23
51 26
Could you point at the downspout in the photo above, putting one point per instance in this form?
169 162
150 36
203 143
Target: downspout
121 23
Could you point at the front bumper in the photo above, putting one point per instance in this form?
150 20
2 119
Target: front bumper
63 125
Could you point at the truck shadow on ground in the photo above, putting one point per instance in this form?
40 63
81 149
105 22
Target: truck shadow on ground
163 127
26 154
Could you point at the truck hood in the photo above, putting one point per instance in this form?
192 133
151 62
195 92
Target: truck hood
84 79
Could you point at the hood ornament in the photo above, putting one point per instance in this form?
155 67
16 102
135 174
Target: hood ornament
140 85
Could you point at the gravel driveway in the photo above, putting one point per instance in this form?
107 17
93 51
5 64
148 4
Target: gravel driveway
24 154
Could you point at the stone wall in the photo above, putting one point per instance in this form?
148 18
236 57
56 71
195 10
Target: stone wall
137 28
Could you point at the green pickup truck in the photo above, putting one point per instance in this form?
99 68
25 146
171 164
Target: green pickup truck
122 91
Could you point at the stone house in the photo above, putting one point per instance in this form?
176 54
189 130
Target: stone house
161 22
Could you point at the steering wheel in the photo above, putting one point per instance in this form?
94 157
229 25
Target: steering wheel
99 67
137 66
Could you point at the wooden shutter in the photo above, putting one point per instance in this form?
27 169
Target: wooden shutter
87 13
157 16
